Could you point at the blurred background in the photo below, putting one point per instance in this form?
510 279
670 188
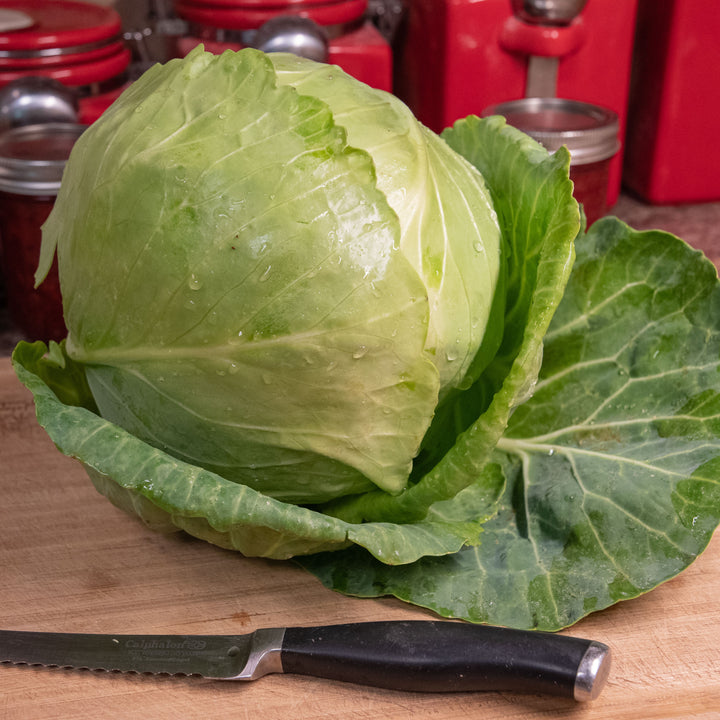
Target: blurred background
626 85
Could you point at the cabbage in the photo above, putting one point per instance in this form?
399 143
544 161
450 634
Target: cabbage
303 326
252 286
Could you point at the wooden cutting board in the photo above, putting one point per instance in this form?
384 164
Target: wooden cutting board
70 561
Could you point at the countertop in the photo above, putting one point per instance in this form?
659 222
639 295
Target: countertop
73 562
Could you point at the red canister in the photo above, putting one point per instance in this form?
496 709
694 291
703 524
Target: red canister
672 153
32 160
353 42
76 43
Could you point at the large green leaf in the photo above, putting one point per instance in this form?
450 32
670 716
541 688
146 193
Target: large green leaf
613 466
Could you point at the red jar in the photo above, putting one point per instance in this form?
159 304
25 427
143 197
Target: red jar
76 43
32 159
589 132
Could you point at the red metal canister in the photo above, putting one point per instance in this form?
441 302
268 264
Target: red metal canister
458 57
79 44
353 42
672 151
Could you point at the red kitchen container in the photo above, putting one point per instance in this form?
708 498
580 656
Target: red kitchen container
76 43
672 152
353 42
458 57
32 160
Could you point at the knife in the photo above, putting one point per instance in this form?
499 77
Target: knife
414 655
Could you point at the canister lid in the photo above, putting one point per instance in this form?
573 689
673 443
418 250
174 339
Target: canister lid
79 44
33 157
11 19
58 24
590 132
251 14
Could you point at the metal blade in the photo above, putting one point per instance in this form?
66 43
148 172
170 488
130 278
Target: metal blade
236 657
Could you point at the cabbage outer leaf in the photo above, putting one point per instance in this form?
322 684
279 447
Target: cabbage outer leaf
613 466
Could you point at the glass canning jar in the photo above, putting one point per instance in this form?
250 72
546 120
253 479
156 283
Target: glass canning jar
32 160
589 132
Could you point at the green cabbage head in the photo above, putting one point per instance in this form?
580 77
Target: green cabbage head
272 271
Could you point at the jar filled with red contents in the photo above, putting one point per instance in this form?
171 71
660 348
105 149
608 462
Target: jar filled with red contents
589 132
32 160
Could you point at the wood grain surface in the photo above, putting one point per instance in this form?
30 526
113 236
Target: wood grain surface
70 561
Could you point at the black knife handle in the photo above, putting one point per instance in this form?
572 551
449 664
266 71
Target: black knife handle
448 656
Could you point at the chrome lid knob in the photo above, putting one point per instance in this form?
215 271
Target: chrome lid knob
293 34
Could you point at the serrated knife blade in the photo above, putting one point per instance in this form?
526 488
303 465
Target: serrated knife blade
412 655
210 656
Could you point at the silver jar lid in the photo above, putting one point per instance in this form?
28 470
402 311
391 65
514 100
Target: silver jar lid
33 157
590 132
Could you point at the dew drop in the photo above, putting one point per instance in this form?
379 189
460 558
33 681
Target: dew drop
360 352
266 274
194 283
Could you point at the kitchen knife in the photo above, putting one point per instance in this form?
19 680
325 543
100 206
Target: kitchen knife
401 655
